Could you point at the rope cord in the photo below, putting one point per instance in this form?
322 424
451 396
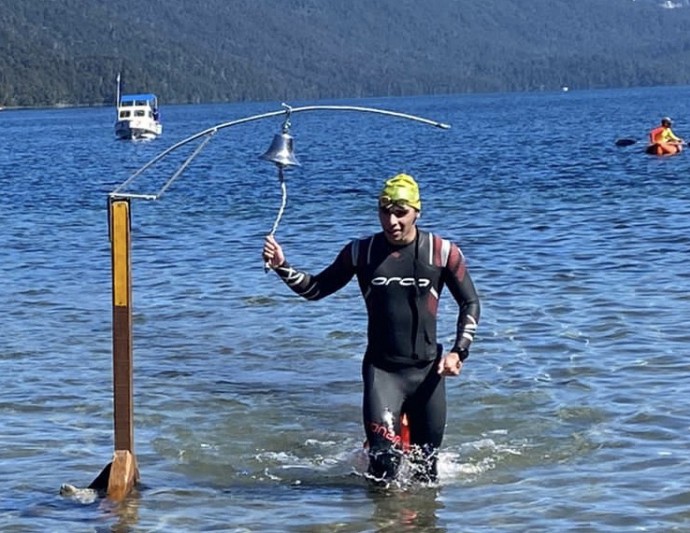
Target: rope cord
283 202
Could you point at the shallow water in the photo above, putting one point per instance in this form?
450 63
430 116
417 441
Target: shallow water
572 413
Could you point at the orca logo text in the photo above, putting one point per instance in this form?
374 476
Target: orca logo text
403 282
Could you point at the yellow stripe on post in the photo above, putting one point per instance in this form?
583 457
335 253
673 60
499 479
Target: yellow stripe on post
120 235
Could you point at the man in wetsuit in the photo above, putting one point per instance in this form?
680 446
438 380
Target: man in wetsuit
401 272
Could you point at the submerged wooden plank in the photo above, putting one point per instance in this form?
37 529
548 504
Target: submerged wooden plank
124 475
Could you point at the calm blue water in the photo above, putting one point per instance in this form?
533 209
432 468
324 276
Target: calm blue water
572 414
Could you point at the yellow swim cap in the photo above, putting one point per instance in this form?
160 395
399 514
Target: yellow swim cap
402 190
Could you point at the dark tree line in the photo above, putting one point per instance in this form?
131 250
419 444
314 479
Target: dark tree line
68 52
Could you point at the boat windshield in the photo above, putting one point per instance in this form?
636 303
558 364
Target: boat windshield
138 100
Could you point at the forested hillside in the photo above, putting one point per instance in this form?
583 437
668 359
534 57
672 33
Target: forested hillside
68 52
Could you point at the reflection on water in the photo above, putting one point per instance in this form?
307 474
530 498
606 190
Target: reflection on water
406 511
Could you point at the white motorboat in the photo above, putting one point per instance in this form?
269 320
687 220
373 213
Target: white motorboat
138 116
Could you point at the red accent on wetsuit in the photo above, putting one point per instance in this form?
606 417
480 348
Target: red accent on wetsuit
405 433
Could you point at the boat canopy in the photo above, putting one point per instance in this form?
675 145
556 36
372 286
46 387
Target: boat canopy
134 98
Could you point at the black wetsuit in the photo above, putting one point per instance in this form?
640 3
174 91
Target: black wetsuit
401 286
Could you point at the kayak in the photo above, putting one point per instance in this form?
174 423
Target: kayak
664 149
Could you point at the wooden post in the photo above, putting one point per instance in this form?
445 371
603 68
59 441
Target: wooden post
120 230
119 476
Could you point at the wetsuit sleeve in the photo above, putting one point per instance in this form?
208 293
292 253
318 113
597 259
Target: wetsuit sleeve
333 278
460 285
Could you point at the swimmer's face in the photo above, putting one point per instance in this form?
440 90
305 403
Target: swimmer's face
398 222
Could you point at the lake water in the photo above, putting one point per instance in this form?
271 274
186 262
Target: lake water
572 413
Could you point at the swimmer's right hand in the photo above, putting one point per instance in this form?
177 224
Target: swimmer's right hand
272 253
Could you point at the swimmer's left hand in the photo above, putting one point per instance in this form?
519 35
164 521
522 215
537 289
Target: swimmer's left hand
450 365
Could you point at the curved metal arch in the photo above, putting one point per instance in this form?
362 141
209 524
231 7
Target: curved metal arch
210 132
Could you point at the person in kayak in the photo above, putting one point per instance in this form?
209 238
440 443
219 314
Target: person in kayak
401 272
662 140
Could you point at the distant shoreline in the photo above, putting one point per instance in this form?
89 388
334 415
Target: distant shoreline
54 106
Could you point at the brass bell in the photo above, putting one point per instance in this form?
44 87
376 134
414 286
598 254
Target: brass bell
281 152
